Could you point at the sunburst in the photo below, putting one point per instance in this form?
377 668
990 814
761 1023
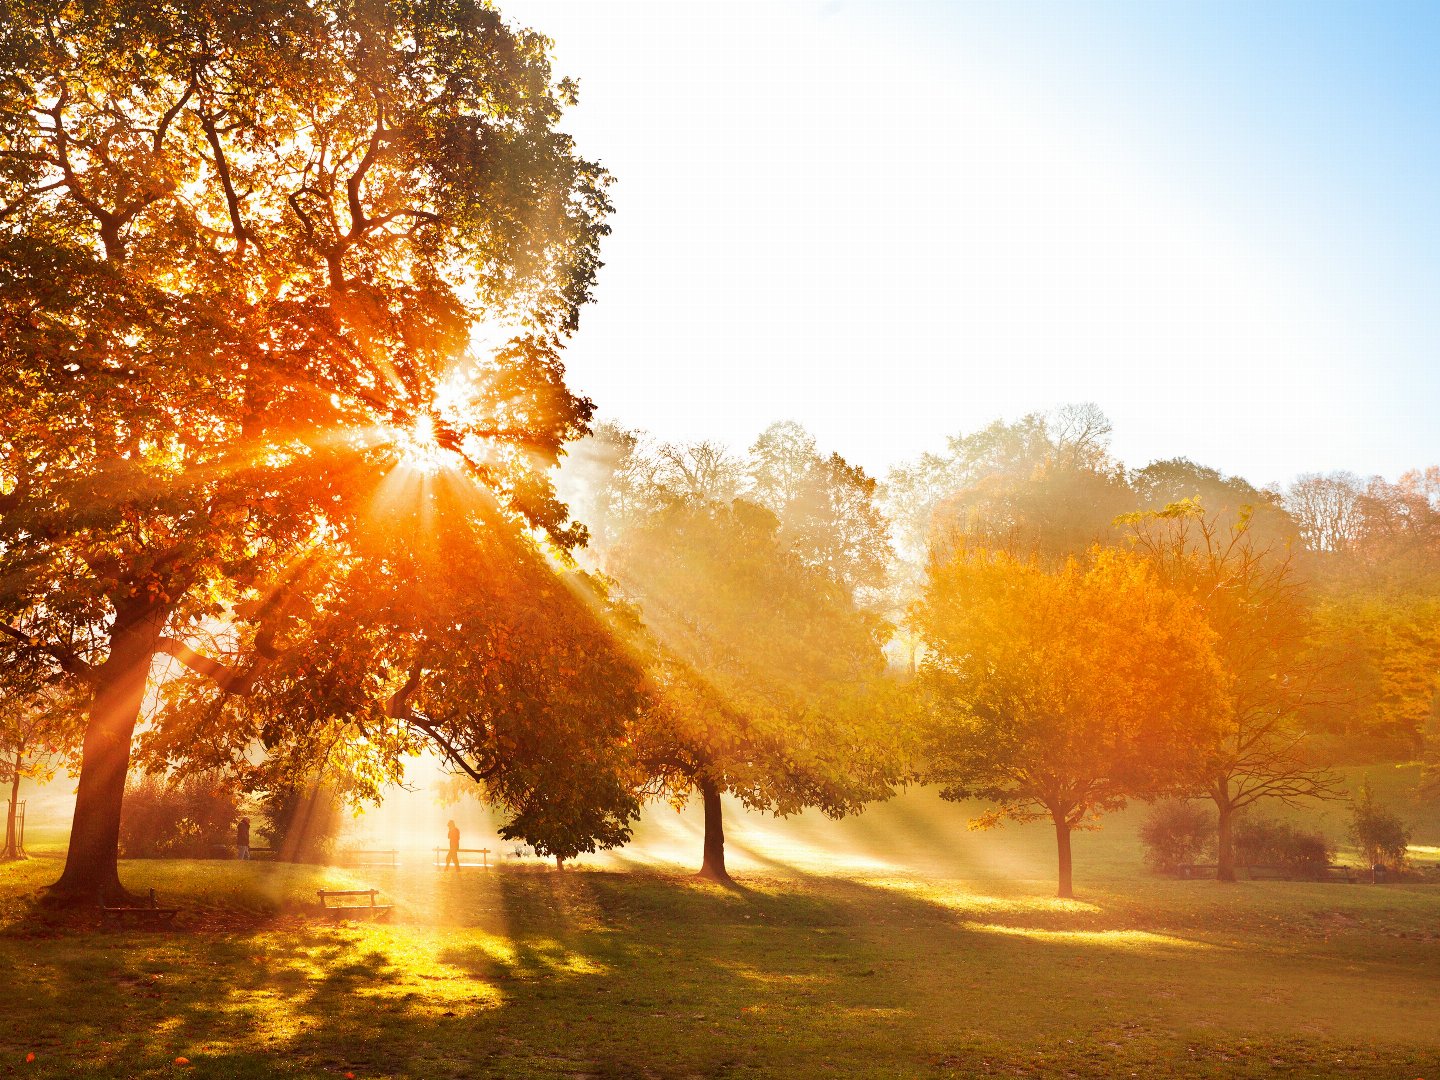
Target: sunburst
420 450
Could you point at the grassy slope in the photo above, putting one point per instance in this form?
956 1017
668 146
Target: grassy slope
897 944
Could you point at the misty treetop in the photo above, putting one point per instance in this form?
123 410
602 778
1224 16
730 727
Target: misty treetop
1362 557
767 674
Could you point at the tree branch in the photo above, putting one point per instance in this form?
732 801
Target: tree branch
169 117
68 661
222 167
24 197
228 679
358 221
398 708
72 181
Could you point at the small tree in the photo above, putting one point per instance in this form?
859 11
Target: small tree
768 679
766 673
1378 832
1249 595
40 725
1062 693
1175 833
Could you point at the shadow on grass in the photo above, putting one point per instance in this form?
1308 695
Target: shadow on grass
592 974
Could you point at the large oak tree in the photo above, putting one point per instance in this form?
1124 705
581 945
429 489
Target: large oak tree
243 253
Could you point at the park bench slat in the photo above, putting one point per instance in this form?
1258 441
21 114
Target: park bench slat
357 857
483 852
145 913
345 911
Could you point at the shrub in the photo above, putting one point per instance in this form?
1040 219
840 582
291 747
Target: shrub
1378 831
166 816
1261 842
1176 833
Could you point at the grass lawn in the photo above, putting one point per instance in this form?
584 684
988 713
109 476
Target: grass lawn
848 964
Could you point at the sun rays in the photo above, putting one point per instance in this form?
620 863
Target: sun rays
420 450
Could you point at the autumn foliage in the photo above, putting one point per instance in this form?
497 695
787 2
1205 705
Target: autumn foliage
1064 691
242 253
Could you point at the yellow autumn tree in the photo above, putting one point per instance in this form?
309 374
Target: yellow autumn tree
1062 691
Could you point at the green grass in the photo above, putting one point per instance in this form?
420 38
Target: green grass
894 945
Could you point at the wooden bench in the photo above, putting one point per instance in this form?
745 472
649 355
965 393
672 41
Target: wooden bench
1250 873
371 910
227 851
1333 872
151 914
483 852
368 858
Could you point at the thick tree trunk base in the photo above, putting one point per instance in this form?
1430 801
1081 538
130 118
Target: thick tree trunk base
1065 884
714 874
1225 846
91 875
69 894
12 833
712 866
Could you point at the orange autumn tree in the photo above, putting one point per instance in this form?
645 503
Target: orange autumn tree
245 251
1062 692
1278 678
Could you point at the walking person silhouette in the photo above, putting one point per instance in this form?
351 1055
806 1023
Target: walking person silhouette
453 856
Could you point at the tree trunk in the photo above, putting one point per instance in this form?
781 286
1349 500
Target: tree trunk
91 873
1066 889
12 842
1225 842
713 866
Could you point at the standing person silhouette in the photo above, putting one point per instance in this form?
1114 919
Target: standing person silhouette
242 839
453 856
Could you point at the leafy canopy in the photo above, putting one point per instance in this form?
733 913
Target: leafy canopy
283 288
1063 692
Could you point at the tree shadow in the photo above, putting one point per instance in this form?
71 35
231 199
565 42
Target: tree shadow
607 974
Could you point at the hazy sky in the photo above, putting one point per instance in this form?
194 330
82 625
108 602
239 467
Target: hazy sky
898 221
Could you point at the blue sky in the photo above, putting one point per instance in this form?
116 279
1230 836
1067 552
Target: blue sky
897 221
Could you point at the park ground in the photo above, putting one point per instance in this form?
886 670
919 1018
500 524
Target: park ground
896 944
